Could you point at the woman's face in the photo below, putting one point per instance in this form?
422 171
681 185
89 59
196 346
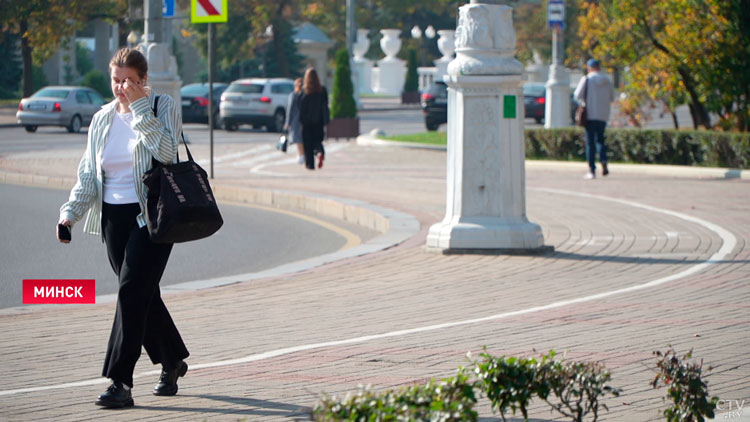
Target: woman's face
118 76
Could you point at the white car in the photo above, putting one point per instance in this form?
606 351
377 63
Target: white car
257 102
68 106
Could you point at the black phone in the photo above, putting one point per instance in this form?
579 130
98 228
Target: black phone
63 232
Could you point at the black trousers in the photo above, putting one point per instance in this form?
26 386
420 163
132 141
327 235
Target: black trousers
141 318
312 141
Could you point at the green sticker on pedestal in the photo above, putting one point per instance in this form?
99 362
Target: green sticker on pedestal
509 106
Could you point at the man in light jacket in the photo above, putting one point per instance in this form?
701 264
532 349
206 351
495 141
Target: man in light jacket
597 88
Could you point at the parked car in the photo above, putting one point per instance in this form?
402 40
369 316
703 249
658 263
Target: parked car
69 106
257 102
534 98
195 102
435 105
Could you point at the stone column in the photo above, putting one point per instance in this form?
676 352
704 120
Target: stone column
557 97
486 194
162 65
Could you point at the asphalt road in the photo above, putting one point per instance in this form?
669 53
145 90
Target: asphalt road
251 240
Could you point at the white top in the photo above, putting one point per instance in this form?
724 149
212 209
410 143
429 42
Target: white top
117 161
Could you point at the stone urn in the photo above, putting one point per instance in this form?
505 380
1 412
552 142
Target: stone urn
390 43
446 43
362 44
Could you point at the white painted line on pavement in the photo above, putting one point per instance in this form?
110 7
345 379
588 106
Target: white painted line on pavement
259 168
728 244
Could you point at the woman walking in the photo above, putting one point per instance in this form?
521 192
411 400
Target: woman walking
122 139
293 126
313 115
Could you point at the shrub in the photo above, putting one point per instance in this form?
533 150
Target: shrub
576 388
510 382
342 100
98 81
685 387
705 148
411 84
449 400
573 389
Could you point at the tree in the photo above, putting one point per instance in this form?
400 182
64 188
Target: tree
44 24
256 40
411 84
678 51
342 100
10 67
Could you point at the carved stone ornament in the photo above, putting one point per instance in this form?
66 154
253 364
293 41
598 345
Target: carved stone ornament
485 41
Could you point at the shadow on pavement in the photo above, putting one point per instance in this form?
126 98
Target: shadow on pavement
255 407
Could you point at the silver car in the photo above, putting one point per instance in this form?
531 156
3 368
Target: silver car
67 106
257 102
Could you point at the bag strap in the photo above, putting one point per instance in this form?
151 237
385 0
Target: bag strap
182 134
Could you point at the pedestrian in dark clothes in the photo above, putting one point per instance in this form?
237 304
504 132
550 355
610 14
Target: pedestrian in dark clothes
313 116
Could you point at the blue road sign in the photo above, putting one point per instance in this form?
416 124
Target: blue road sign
167 9
556 13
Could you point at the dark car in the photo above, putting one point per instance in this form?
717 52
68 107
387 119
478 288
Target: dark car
534 98
195 102
435 105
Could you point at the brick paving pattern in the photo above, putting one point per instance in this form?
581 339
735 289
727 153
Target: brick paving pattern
600 246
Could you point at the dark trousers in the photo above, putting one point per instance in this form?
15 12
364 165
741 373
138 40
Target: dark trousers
141 319
312 141
595 142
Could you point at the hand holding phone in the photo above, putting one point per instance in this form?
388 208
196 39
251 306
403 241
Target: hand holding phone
63 233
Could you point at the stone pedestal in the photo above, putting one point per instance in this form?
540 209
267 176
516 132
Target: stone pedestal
162 71
391 70
362 66
485 191
557 101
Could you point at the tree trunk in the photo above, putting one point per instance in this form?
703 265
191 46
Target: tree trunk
698 110
28 72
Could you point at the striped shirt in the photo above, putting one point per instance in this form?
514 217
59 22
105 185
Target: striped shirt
156 137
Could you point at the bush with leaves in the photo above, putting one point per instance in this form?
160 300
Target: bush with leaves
99 82
510 382
449 400
576 388
411 84
704 148
342 100
685 387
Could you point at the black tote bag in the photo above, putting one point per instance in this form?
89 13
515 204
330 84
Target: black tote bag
180 205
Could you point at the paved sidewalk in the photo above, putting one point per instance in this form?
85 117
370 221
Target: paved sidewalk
641 261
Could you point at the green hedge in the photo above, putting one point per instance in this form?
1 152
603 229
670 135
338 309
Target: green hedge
704 148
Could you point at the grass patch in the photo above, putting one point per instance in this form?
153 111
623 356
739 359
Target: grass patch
427 138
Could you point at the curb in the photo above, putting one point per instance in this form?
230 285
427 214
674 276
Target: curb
371 139
394 226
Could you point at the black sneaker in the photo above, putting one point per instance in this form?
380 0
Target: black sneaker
167 385
116 396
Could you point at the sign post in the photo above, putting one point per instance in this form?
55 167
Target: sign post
210 12
557 98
